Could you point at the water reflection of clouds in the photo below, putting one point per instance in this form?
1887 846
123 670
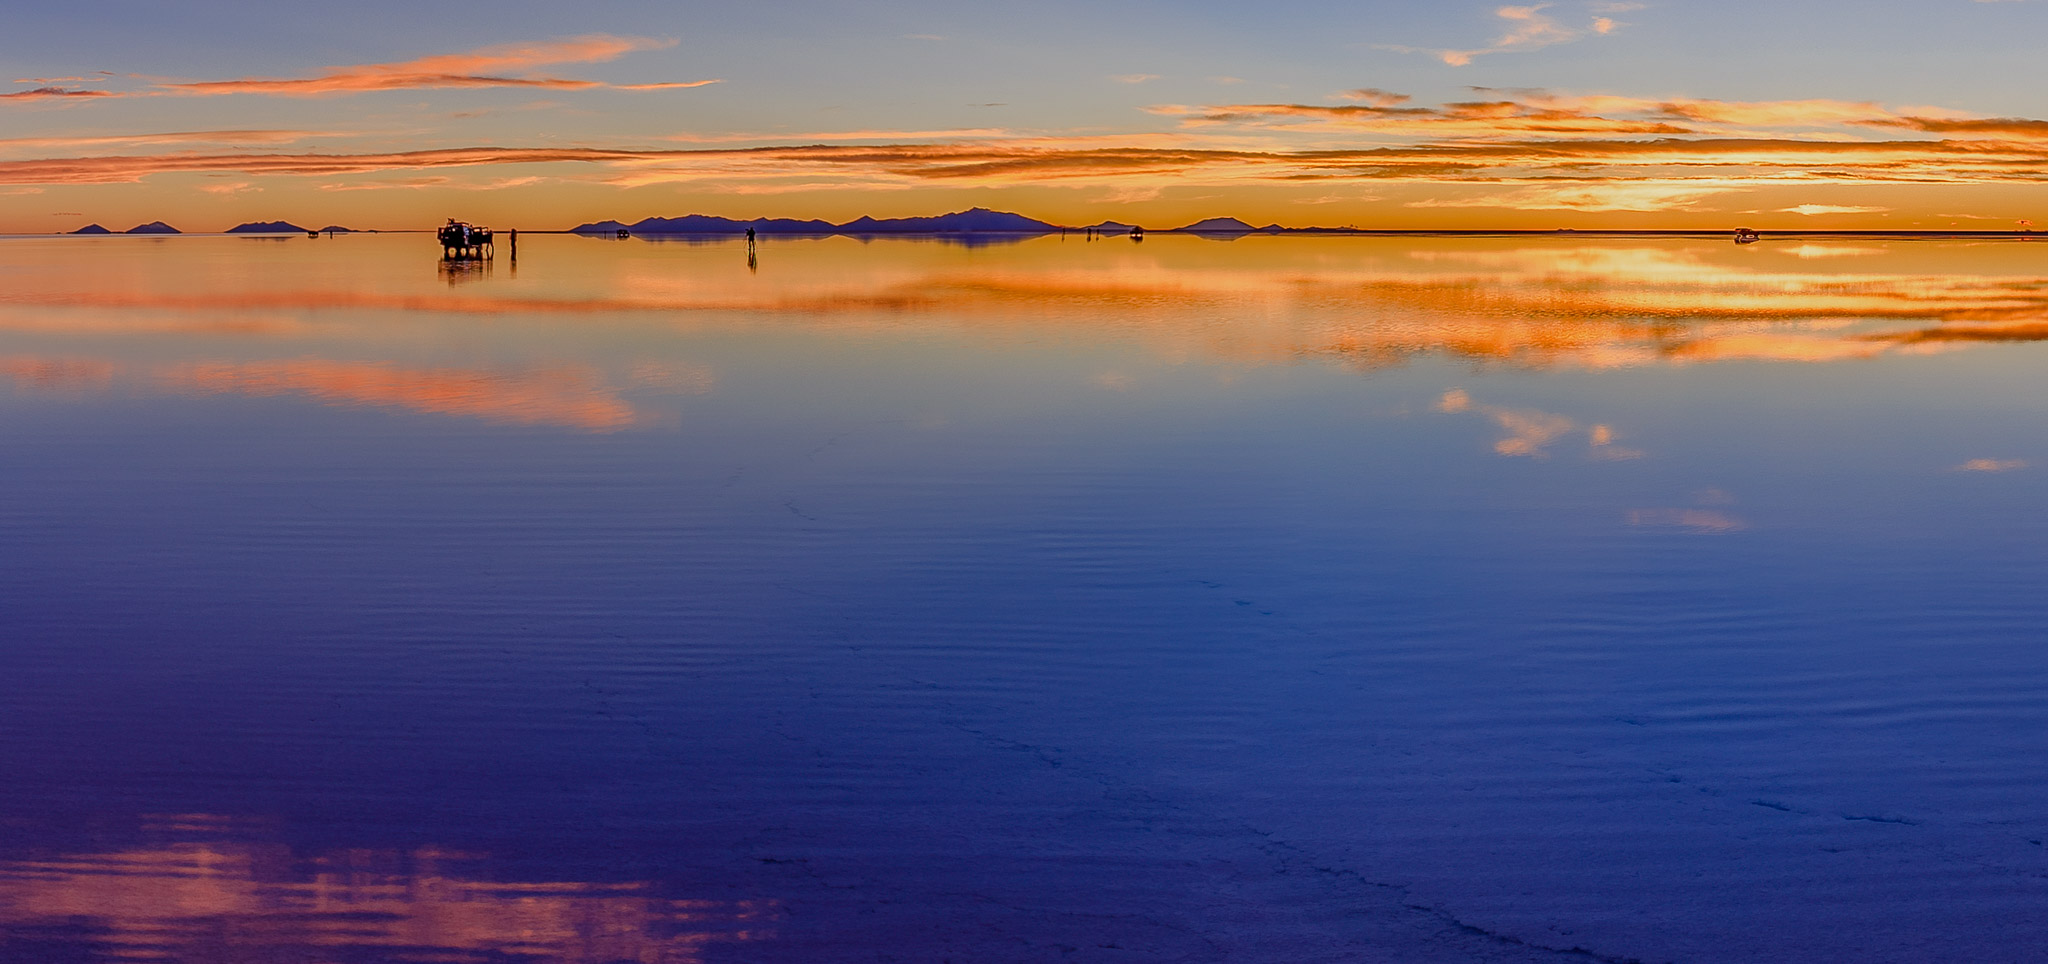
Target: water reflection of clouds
569 396
579 397
1687 520
56 374
241 903
1529 432
1366 304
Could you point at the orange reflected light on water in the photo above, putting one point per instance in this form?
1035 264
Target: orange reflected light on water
56 374
1686 520
245 903
1364 303
567 396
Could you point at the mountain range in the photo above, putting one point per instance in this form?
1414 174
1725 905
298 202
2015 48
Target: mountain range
971 221
267 227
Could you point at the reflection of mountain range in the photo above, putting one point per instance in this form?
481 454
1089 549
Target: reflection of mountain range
971 221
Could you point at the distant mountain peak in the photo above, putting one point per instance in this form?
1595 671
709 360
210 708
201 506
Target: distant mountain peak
92 229
153 227
1218 226
266 227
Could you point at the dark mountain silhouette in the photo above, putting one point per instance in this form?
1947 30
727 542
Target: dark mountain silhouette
153 227
92 229
1112 227
711 224
267 227
1217 226
337 229
972 221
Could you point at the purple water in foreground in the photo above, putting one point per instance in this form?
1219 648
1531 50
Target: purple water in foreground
1280 599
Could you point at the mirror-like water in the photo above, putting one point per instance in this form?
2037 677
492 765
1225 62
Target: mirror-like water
1281 599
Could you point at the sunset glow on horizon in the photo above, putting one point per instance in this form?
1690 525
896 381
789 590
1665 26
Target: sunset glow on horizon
1583 115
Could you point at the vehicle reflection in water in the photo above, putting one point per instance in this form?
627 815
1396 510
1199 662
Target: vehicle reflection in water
457 272
231 902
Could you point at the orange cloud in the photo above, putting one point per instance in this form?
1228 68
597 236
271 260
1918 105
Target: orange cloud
1521 149
53 93
172 137
488 67
1528 28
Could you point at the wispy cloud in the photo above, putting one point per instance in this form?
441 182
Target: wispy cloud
53 93
501 66
435 181
1813 209
168 137
487 67
1133 78
1618 196
1528 28
1606 24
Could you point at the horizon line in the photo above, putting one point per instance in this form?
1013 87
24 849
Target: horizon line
1189 230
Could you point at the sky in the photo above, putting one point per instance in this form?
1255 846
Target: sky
1823 114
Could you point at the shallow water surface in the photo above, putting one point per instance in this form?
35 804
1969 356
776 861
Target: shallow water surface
1516 599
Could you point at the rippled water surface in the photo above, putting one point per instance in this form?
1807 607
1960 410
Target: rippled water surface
1281 599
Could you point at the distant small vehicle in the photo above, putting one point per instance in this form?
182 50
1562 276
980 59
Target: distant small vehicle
1747 236
461 240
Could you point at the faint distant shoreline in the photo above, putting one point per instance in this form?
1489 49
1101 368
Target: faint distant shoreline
1706 233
